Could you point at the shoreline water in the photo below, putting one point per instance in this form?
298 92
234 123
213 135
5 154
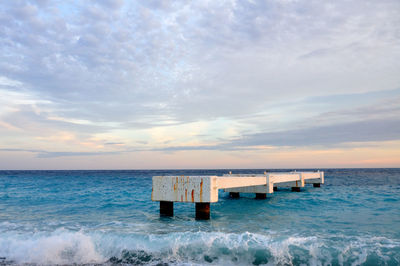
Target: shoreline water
107 217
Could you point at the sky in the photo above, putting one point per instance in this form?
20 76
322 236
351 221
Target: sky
113 84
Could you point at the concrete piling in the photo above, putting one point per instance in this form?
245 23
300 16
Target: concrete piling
202 210
261 195
166 208
234 195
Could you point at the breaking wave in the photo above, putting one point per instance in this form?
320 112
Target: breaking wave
68 247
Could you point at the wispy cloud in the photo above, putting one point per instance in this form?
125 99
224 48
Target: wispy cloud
52 154
360 131
140 61
178 75
67 154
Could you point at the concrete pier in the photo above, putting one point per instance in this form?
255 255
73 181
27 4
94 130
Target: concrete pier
203 190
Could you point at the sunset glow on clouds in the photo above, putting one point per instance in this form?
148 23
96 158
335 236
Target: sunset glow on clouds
205 84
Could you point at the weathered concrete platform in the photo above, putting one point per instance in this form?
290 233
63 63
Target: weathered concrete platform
203 190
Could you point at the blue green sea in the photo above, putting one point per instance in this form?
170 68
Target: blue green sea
108 218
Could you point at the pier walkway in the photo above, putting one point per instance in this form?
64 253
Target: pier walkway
203 190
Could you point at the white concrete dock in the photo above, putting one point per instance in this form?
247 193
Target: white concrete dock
203 190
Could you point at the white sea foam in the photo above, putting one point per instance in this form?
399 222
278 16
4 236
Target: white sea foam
66 247
59 247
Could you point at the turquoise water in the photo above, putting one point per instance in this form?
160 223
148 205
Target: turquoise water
107 217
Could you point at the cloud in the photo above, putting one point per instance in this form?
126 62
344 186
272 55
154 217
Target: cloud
47 154
311 136
52 154
116 71
34 120
360 131
22 150
178 62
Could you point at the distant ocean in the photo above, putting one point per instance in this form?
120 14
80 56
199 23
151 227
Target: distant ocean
107 217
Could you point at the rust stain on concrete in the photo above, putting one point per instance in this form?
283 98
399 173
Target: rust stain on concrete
201 190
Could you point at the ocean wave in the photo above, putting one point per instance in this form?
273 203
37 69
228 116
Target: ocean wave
78 247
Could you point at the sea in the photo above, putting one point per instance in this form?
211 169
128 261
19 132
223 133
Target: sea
108 218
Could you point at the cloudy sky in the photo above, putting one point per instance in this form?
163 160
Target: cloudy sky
119 84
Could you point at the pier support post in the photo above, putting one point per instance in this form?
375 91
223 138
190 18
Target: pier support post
166 208
261 195
234 195
275 188
296 189
202 210
317 185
